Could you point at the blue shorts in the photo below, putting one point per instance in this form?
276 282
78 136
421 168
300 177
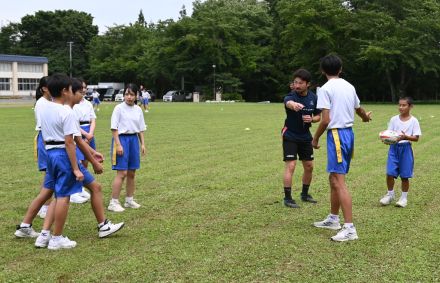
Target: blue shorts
60 177
340 146
130 160
96 101
145 101
400 160
79 154
41 153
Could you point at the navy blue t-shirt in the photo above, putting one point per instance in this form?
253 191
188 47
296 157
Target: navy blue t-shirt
294 127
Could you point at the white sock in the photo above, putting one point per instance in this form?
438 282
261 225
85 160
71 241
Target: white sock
404 195
115 200
129 199
390 193
25 225
101 224
349 225
45 232
57 238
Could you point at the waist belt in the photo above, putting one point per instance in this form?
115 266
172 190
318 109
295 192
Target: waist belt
127 134
84 122
54 142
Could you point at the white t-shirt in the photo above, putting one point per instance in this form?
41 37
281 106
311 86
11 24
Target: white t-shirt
410 127
340 97
58 121
145 94
38 109
128 119
84 110
95 94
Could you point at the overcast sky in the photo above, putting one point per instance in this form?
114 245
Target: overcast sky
105 12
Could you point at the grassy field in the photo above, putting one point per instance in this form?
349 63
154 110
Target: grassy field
211 195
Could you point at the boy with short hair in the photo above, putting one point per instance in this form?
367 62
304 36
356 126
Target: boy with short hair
338 100
400 155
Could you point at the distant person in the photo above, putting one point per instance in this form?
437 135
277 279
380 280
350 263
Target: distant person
127 126
96 101
338 101
400 155
301 112
145 100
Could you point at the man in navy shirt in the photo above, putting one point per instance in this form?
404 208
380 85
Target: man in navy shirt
301 112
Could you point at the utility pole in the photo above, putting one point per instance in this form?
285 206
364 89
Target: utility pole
70 56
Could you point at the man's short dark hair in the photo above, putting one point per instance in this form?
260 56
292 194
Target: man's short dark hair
57 83
303 74
331 65
408 99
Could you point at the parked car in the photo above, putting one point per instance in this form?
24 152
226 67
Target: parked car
177 95
110 94
120 95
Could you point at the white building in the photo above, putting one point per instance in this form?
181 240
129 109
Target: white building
20 75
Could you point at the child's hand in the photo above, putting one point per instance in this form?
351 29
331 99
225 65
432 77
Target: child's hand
119 150
97 168
79 175
368 117
315 144
143 149
98 156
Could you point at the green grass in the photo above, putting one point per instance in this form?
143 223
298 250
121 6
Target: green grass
211 205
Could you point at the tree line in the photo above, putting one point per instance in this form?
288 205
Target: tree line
389 48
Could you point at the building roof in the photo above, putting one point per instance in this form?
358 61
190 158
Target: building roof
23 59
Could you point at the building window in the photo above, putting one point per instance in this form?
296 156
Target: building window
28 84
30 68
5 84
5 67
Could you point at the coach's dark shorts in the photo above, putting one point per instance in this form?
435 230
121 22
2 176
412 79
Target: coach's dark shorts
292 149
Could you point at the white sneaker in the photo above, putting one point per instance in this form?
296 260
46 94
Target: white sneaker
328 223
85 194
131 204
387 199
146 111
43 211
61 243
42 241
346 234
25 232
109 228
77 198
402 202
115 206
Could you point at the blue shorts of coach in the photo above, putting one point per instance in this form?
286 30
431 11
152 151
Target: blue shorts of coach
340 146
400 160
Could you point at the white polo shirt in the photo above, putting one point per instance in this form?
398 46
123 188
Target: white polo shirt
340 97
128 119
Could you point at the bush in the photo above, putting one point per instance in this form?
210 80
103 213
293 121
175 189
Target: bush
232 96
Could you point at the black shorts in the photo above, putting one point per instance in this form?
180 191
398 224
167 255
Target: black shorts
292 149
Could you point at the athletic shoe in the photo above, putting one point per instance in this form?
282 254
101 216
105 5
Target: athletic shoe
77 198
308 198
43 211
402 202
115 206
146 111
109 228
387 199
131 204
290 203
85 194
328 223
61 243
346 234
42 241
25 232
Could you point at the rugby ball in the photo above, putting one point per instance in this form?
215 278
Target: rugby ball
389 137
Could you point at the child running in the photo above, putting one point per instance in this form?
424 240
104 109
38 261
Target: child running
105 227
400 155
128 126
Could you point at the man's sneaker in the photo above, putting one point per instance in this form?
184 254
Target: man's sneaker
109 228
42 241
115 206
328 223
85 194
387 199
61 243
131 204
43 211
402 202
308 198
77 198
290 203
25 232
346 234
